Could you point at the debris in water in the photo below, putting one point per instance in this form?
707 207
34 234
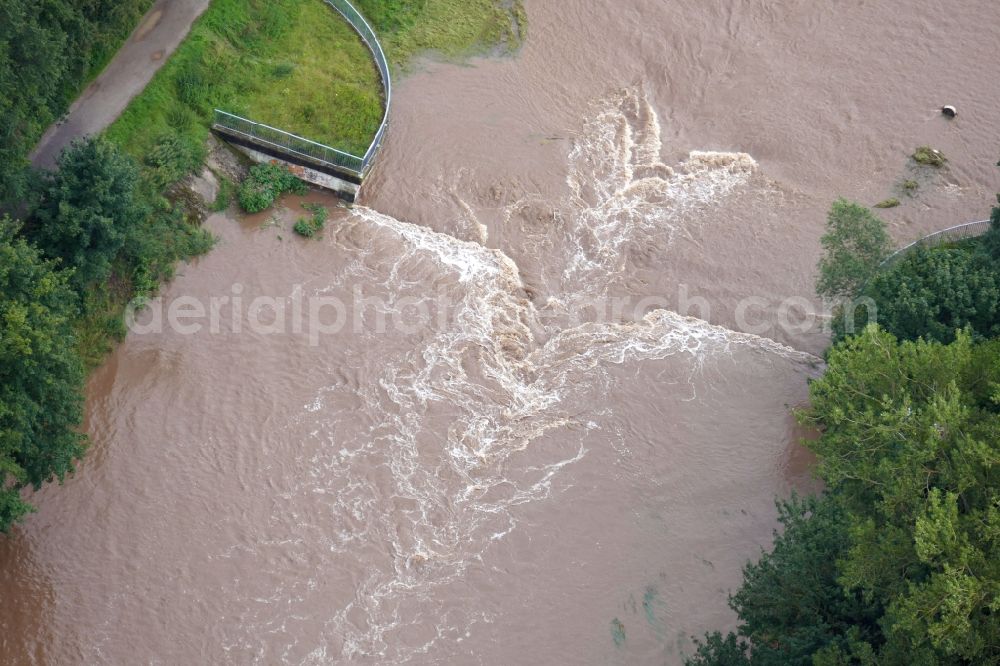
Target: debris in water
949 111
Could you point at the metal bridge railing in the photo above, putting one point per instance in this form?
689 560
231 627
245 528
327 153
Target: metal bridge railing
358 22
286 141
949 235
297 145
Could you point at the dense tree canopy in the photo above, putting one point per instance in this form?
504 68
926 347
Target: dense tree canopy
911 444
931 293
89 208
48 49
40 374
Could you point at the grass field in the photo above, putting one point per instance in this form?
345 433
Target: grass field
293 64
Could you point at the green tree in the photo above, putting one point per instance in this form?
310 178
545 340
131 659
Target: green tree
719 650
90 207
911 445
931 293
900 562
791 605
991 241
41 379
854 245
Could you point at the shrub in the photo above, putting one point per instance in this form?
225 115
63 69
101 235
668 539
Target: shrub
89 209
169 160
309 228
927 156
265 184
256 196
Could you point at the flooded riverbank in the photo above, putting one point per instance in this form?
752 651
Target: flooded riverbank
514 447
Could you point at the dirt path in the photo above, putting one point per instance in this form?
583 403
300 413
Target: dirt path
159 33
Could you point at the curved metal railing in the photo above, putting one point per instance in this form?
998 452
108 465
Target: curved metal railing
296 145
951 234
360 25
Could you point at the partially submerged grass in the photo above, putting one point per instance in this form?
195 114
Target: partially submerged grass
450 28
910 187
888 203
224 196
927 156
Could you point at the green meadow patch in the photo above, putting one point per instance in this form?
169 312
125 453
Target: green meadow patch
293 64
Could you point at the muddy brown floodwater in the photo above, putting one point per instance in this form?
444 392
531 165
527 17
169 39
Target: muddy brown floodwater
517 449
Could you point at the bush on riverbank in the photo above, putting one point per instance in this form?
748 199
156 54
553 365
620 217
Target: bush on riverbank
854 245
88 209
101 219
265 184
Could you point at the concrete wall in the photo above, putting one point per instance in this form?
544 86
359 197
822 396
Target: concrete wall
342 188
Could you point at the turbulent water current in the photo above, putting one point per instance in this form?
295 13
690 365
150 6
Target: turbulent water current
531 400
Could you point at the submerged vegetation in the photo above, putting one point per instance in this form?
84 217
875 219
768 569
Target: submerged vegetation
898 561
927 156
314 224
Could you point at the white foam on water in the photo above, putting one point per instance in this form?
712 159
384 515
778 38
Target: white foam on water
623 199
420 495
